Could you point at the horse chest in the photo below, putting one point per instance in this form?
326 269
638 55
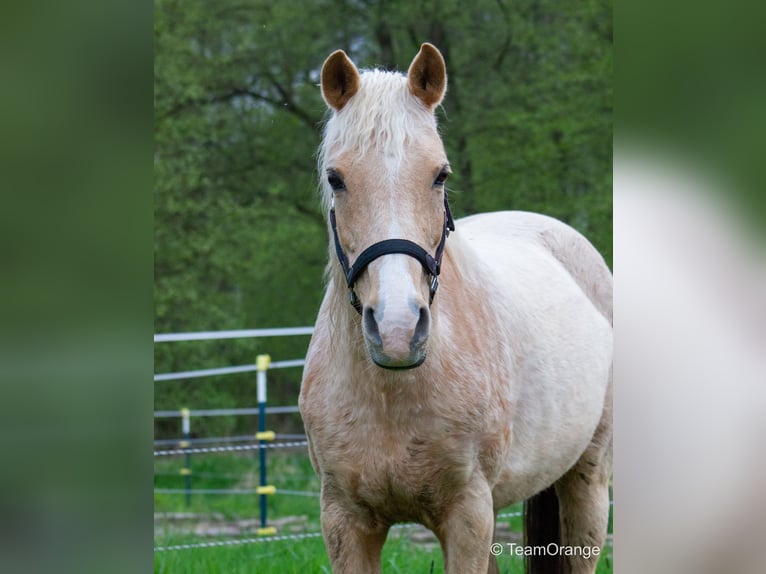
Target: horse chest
403 483
405 473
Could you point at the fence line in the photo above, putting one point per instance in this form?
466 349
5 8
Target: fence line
238 541
243 447
224 439
262 364
288 364
226 412
230 491
237 334
203 474
226 370
298 492
304 536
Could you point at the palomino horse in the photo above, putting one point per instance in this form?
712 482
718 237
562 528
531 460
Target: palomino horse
444 407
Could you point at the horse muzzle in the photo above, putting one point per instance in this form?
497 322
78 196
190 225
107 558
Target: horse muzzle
397 341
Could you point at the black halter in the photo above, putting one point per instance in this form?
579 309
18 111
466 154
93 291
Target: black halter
432 265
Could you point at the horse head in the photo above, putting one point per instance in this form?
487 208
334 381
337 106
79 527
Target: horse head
383 168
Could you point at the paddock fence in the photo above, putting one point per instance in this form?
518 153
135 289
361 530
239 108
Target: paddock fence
262 440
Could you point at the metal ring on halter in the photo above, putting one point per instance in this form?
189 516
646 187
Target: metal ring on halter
354 299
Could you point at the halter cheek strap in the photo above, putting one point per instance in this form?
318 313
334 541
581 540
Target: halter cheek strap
432 264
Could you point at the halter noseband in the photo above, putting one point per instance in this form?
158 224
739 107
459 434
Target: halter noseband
432 265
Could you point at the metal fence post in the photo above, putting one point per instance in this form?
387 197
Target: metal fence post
186 434
262 363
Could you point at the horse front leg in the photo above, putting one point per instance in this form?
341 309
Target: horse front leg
467 529
353 537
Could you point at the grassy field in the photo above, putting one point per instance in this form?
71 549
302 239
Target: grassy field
229 517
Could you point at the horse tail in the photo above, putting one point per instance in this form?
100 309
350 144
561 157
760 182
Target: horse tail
541 528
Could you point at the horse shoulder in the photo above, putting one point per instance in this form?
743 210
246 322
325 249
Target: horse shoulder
318 361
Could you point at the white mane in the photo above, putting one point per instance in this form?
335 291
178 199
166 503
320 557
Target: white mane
380 117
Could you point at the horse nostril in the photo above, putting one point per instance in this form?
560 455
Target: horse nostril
423 328
371 325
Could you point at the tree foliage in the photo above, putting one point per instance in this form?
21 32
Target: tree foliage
240 241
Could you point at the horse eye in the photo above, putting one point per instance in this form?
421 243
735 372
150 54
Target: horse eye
336 183
441 178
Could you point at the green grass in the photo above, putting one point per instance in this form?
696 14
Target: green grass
301 557
289 471
309 556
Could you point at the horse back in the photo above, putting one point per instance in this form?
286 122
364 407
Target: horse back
568 246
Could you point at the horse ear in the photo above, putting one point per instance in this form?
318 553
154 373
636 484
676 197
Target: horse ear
340 80
427 76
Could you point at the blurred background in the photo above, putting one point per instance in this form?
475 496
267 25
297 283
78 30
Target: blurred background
83 152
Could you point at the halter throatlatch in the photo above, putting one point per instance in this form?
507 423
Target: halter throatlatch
432 264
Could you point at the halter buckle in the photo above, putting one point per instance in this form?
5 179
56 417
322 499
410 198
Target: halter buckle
433 284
